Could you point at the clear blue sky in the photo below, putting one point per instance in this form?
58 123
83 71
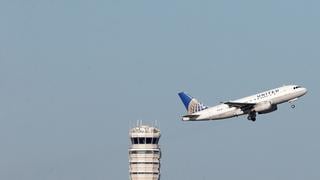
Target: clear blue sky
74 75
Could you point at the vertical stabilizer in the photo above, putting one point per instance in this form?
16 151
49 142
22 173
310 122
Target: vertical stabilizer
192 105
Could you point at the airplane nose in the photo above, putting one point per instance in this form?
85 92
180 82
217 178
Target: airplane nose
304 90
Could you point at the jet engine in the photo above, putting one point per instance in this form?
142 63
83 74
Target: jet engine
265 107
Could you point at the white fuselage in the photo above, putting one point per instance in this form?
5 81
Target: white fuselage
273 96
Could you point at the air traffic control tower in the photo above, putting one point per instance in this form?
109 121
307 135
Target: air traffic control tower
144 153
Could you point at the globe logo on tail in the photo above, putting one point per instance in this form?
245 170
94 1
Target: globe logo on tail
195 106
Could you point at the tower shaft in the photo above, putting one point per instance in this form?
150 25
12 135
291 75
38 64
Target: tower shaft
144 153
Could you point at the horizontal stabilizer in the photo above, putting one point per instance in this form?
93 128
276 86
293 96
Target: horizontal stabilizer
191 116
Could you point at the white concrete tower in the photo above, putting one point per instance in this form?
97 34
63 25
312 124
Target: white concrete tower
144 153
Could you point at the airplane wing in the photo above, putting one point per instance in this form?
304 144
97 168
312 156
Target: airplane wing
242 106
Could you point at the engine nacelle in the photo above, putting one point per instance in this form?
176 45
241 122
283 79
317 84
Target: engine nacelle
265 107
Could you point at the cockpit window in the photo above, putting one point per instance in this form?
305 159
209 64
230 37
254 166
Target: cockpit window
296 87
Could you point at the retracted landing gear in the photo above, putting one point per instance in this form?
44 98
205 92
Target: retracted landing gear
252 116
293 106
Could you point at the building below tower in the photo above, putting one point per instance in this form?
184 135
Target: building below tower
144 153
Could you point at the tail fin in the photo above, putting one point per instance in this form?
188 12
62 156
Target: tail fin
192 105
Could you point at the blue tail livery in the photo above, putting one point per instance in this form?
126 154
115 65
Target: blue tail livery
192 105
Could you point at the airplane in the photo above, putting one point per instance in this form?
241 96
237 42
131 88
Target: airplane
260 103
